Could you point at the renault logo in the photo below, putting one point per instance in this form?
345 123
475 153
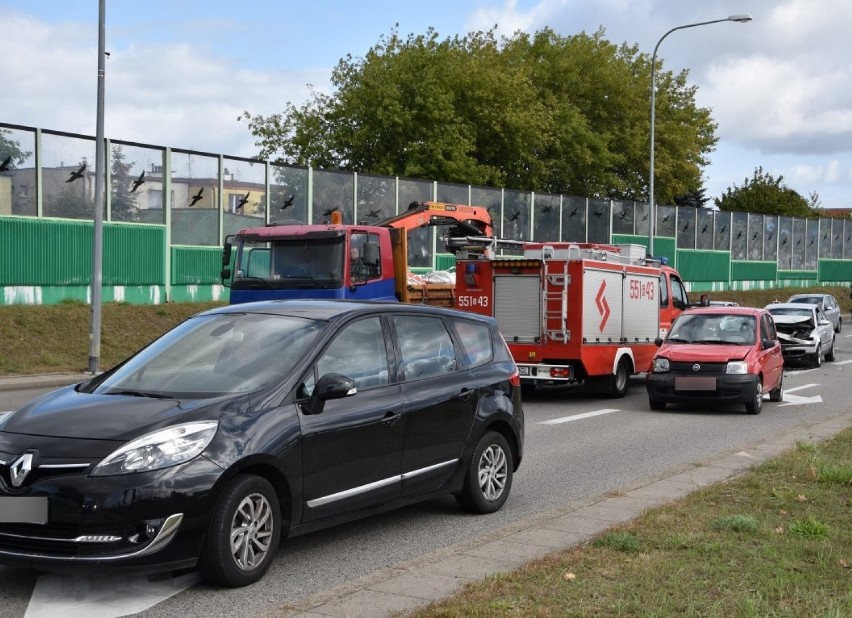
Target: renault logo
696 367
20 468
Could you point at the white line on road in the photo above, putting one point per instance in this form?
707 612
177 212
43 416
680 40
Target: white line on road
798 388
846 362
577 417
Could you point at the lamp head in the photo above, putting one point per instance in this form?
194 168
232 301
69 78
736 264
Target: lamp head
743 18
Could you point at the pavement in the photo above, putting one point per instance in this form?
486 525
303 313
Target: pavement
407 586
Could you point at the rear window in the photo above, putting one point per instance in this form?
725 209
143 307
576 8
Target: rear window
476 341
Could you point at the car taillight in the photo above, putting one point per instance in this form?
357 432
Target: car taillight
515 378
560 372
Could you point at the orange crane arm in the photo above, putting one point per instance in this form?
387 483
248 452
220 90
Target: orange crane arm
474 220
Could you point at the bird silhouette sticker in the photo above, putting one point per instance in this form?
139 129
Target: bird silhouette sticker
77 173
739 234
327 213
7 162
196 198
769 236
288 202
723 228
546 209
685 226
704 229
573 212
666 218
374 214
598 213
243 201
138 182
754 236
645 217
514 216
784 242
622 215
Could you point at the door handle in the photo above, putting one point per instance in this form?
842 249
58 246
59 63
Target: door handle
465 393
390 418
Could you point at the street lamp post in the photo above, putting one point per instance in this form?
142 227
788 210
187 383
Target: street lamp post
652 214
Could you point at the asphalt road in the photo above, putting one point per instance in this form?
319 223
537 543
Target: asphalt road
621 443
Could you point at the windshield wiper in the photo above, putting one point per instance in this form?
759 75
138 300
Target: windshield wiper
678 340
133 393
261 279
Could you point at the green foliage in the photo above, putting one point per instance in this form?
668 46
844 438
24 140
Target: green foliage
765 194
122 199
737 523
11 148
619 541
542 112
809 527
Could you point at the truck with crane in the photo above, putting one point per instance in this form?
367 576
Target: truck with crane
336 260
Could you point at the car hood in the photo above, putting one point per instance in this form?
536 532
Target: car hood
688 352
67 413
791 319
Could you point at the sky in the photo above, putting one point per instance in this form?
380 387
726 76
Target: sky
181 72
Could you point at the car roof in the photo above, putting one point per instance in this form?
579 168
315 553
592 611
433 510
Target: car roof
332 309
812 295
798 306
719 310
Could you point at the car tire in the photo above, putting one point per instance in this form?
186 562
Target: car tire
829 356
489 475
656 404
756 404
777 393
248 511
839 325
816 359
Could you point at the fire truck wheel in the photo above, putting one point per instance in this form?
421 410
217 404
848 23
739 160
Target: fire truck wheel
489 475
656 404
616 385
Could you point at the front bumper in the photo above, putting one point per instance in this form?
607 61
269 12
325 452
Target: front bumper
797 351
149 521
674 387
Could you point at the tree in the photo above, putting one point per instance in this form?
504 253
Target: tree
10 148
545 112
122 199
693 199
766 194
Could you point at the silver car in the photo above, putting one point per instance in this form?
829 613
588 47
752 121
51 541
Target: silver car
804 331
826 302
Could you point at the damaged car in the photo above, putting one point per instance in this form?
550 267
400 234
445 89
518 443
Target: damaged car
805 332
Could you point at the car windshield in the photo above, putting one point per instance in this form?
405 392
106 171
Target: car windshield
297 263
804 312
713 328
214 355
808 300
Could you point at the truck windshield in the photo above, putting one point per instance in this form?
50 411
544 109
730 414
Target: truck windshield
288 263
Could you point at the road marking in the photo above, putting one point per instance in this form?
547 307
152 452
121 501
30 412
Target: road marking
577 417
846 362
791 400
102 596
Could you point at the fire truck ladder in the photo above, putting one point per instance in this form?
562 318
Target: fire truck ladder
555 299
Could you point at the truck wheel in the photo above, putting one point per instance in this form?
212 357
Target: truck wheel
656 404
618 383
777 394
829 356
489 475
756 404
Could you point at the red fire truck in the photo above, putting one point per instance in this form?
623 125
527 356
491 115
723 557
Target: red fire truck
574 312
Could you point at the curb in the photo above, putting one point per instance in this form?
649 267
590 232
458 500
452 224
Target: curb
19 383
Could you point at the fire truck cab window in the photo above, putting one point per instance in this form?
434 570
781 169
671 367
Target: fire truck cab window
426 348
664 291
678 293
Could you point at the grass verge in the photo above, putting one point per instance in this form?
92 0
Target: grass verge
776 541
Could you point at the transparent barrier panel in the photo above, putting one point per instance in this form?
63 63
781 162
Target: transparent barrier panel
288 193
811 241
722 231
546 217
453 193
623 217
574 219
516 215
136 183
799 244
490 200
754 240
244 184
739 235
837 238
686 227
413 191
666 221
598 220
770 238
785 243
376 198
333 190
68 176
195 199
704 229
17 173
642 223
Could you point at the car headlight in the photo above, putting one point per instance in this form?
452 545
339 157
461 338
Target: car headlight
661 365
159 449
737 367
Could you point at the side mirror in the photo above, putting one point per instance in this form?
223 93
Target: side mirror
226 253
767 344
705 300
225 275
658 341
330 386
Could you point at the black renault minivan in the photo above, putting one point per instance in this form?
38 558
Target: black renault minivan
253 422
